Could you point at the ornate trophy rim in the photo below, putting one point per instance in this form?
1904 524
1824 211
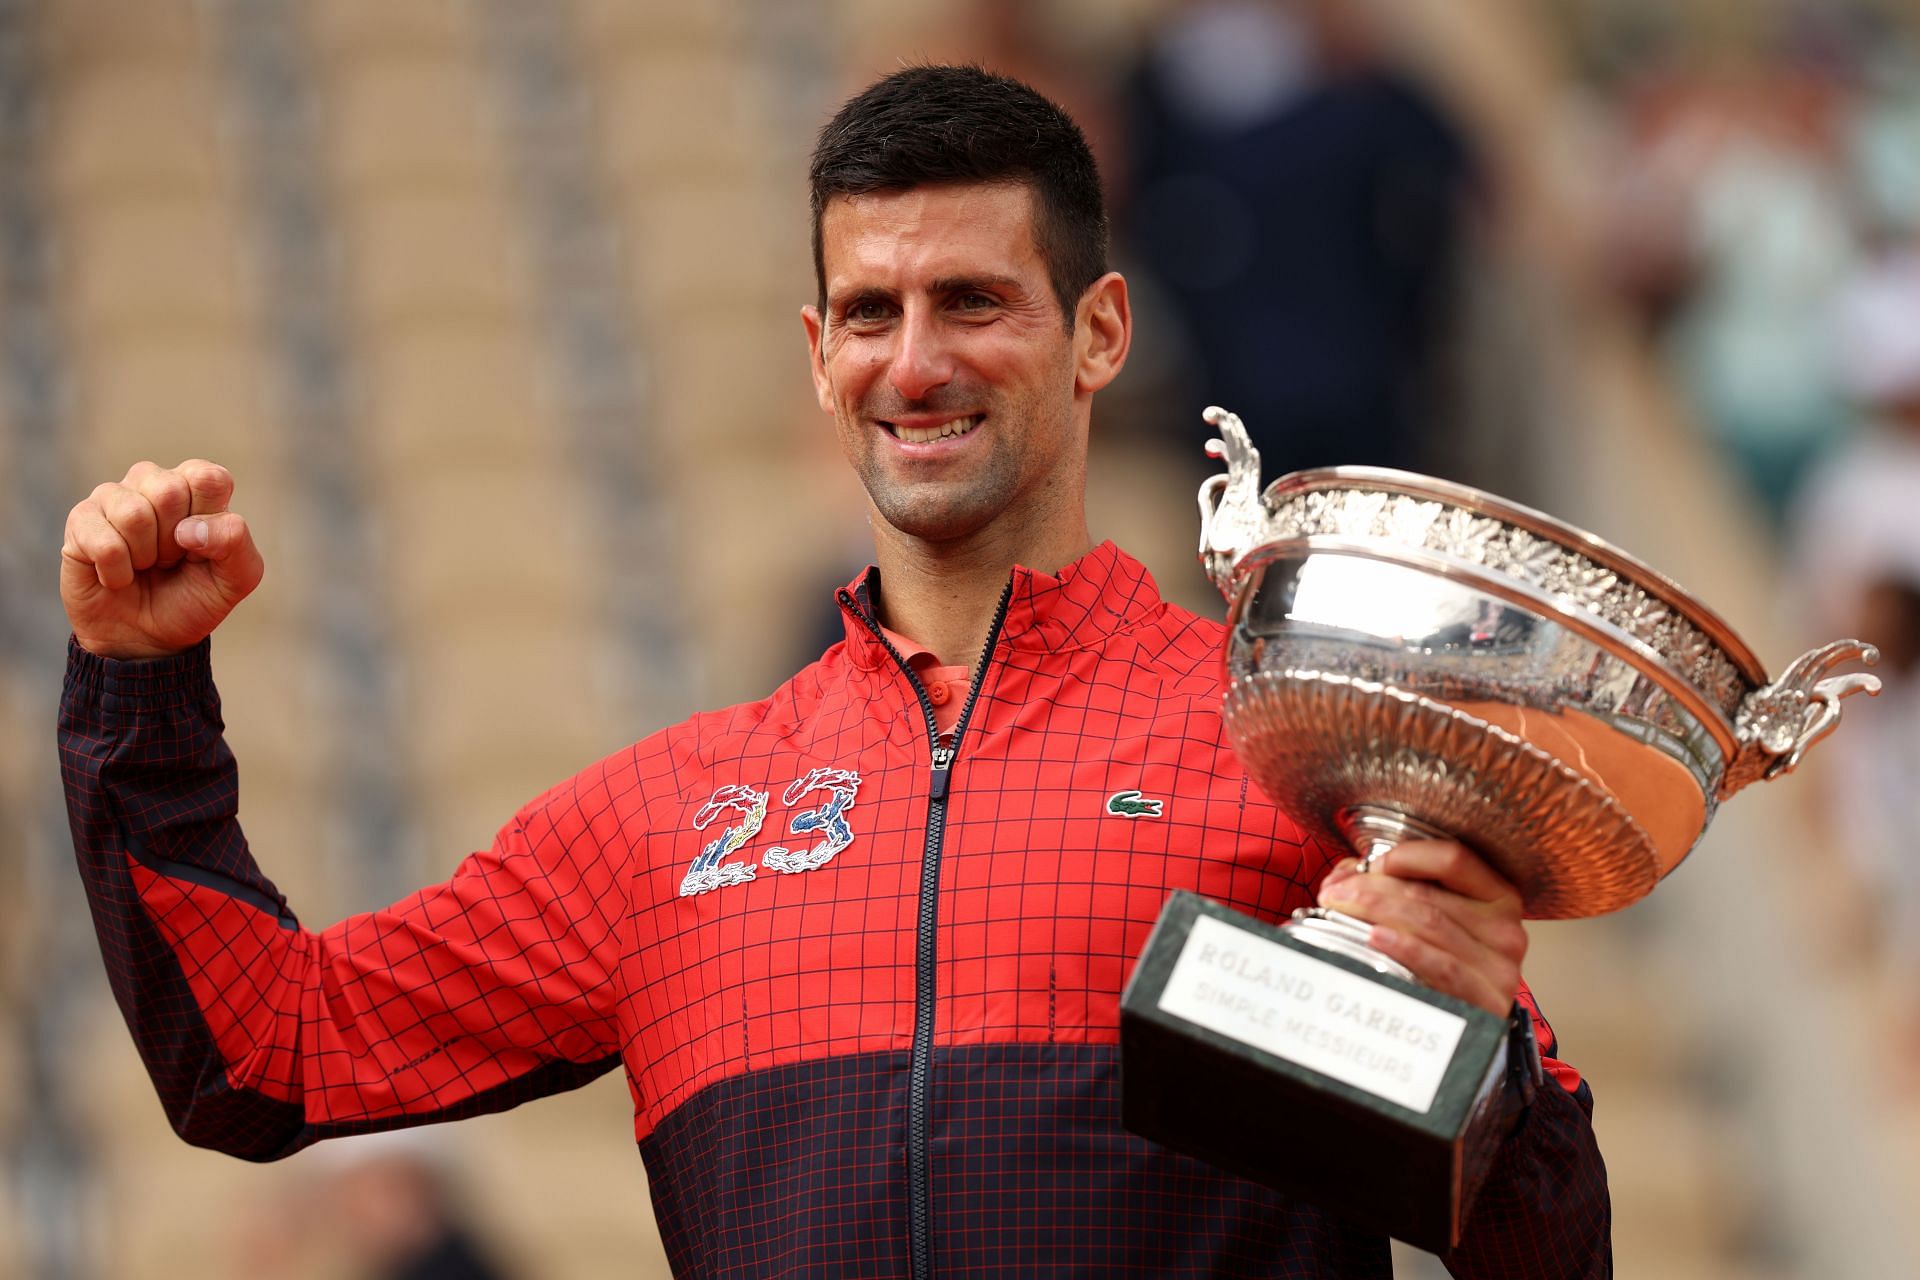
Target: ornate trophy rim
1719 721
1569 537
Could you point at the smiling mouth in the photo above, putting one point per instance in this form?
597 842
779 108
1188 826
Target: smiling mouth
926 435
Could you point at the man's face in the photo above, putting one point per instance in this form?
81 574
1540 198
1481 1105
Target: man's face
946 362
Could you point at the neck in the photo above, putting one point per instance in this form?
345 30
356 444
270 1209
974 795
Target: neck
943 595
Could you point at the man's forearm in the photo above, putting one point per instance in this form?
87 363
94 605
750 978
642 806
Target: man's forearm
1544 1210
152 797
261 1037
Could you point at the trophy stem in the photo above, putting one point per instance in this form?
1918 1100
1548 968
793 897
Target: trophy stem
1371 830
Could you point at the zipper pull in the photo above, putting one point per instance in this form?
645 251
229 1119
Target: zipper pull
942 762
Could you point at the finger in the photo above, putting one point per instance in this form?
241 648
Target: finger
1339 871
1475 976
133 516
211 484
1430 911
1466 948
139 471
1449 863
226 544
171 498
95 548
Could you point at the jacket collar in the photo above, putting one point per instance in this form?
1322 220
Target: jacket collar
1103 592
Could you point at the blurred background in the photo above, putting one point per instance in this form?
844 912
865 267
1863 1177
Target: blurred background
491 307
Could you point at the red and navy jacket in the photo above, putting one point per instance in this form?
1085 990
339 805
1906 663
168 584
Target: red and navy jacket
863 977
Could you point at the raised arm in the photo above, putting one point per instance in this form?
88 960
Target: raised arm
262 1037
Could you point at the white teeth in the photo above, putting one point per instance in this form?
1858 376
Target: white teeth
921 435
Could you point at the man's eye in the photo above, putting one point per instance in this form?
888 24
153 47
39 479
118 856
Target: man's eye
974 302
867 312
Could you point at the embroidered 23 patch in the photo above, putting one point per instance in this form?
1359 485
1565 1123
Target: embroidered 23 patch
829 821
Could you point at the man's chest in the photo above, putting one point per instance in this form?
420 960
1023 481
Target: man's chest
791 907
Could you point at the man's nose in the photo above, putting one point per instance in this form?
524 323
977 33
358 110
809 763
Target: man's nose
922 359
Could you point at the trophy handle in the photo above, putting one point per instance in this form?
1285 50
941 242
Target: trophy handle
1233 515
1778 722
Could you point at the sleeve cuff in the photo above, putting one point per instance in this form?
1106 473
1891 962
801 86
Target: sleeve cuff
1525 1072
143 684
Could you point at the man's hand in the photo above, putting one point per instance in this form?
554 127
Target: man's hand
1444 913
153 564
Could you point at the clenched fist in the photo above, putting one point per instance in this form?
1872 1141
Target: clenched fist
1442 911
153 564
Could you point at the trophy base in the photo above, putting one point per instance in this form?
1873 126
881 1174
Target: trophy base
1311 1072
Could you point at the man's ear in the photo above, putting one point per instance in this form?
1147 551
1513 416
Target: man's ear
816 333
1102 333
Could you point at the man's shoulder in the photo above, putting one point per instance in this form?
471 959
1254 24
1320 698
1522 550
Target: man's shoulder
1177 617
1178 642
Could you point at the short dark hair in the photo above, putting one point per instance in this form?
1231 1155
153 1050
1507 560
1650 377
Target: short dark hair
933 124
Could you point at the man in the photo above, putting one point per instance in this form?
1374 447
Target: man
859 945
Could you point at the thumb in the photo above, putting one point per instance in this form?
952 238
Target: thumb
223 541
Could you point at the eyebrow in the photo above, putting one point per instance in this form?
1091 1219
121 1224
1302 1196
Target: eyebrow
957 284
945 284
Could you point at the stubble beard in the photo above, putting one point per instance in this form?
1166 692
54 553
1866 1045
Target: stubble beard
961 504
944 510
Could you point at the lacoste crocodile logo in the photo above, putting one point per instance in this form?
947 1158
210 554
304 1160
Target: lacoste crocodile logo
1131 804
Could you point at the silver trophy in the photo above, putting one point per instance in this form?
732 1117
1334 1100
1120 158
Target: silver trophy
1409 658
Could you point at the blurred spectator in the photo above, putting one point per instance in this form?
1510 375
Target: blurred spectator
1299 202
1744 198
397 1218
1772 239
377 1207
1883 142
1856 557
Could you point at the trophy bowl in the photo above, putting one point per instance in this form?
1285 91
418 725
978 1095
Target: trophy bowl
1410 658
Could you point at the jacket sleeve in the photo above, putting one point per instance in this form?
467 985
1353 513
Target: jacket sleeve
1544 1209
262 1037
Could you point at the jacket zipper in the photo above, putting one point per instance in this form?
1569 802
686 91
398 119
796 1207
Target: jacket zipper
926 951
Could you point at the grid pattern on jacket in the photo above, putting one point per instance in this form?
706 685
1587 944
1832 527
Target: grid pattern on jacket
570 943
260 1037
796 1171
